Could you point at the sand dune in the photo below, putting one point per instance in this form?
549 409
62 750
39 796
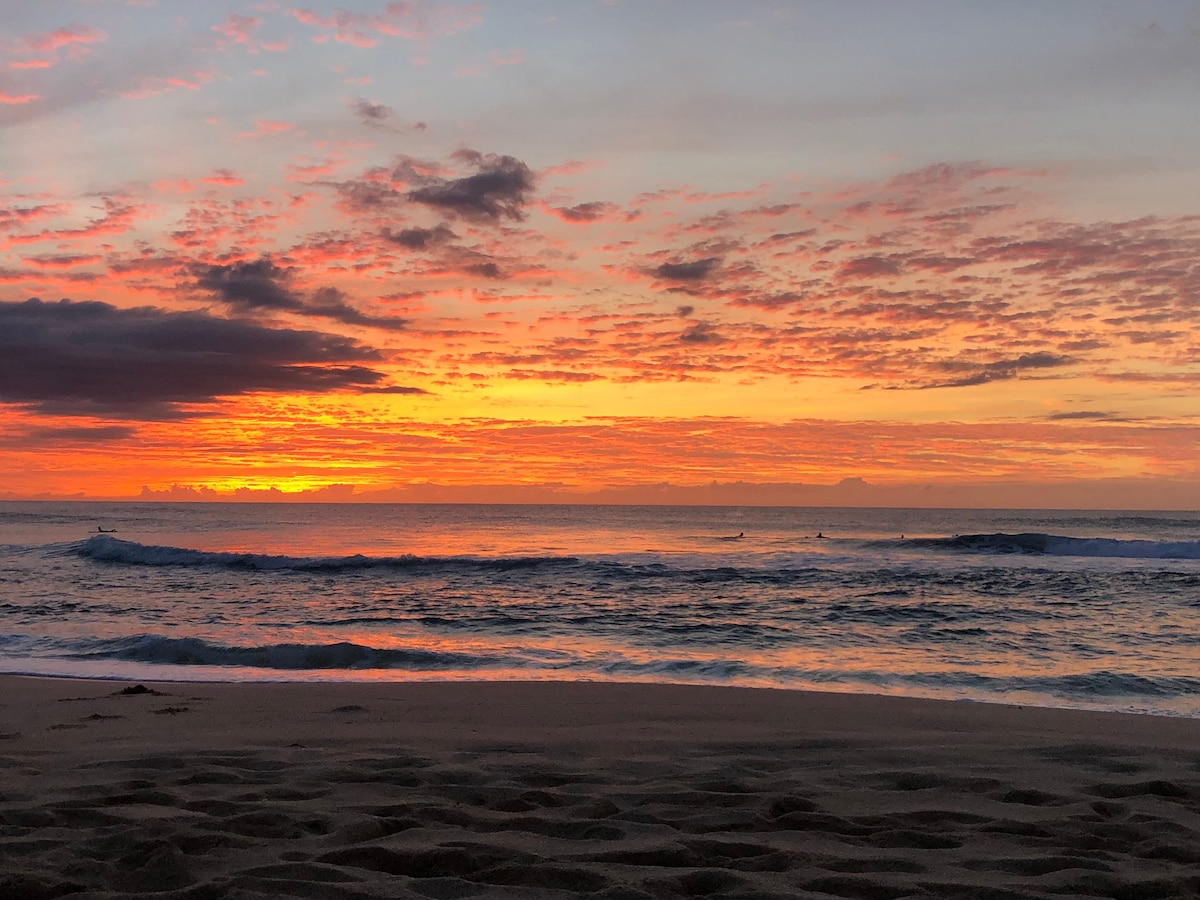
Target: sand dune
606 791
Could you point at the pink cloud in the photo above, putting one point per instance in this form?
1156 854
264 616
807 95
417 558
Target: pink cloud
62 261
268 128
570 167
21 214
175 186
118 218
155 86
238 29
309 170
225 177
583 213
61 37
410 20
17 99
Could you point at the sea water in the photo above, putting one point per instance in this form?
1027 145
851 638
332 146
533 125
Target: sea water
1084 609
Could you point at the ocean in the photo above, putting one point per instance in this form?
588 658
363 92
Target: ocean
1071 609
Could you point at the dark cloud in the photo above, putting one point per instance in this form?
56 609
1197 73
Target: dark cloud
249 287
367 196
585 212
330 303
420 238
498 190
939 262
393 389
688 271
67 436
380 115
701 333
90 358
372 113
684 311
1040 360
1080 415
1001 370
870 267
484 270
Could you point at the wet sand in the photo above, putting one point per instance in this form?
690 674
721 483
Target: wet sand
599 790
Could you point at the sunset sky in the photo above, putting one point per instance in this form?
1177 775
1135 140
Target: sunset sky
547 248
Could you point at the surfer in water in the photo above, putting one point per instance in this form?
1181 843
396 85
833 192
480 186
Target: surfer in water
106 530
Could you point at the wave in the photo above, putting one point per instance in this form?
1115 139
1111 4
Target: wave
152 648
104 548
1059 545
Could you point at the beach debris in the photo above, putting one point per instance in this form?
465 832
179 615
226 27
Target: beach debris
136 690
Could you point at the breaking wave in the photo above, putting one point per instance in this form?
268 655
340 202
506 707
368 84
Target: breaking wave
1058 545
108 549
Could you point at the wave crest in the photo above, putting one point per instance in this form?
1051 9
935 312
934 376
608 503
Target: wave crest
151 648
104 548
1059 545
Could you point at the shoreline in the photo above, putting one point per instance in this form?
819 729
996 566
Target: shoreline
621 791
322 677
749 704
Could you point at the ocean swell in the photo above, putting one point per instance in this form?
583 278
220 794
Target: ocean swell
1059 545
112 550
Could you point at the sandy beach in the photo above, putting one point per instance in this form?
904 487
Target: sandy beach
605 790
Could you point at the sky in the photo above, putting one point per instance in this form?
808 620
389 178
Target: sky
875 252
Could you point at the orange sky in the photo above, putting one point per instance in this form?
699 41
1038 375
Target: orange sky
600 251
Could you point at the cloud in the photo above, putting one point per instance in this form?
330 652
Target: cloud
697 270
366 196
118 218
870 267
86 358
498 190
1083 415
63 260
330 303
251 286
76 434
239 29
411 20
268 128
1000 370
585 212
701 333
260 285
154 86
68 35
380 115
420 238
371 113
224 177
